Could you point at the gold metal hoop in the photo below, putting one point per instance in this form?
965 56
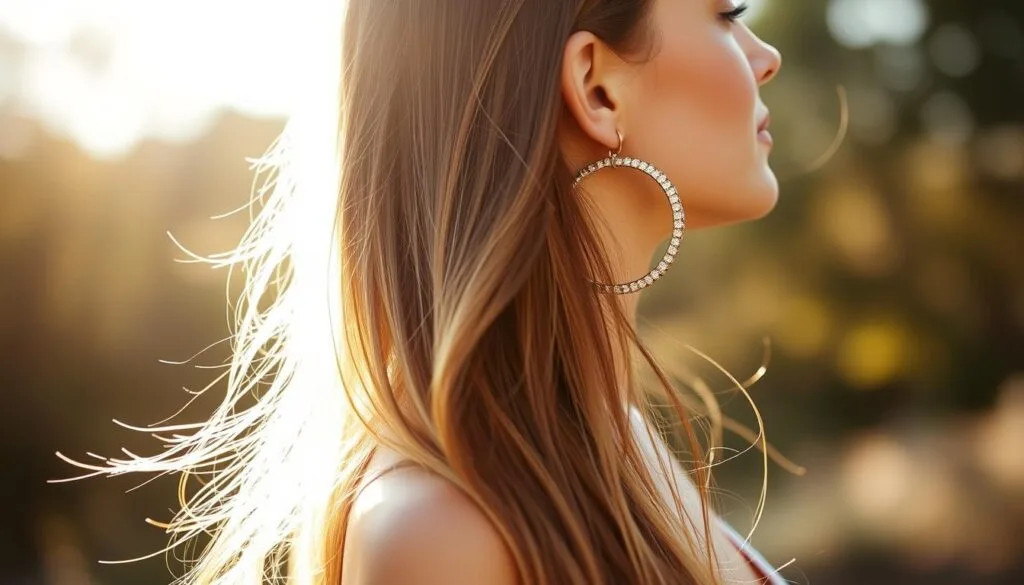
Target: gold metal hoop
678 216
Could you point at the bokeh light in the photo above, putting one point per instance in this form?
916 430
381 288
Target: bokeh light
862 23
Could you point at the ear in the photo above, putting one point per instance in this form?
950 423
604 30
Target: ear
594 87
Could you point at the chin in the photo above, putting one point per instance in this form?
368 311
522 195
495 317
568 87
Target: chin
769 204
762 199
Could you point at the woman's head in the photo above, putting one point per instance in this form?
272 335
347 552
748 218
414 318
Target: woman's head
687 102
455 299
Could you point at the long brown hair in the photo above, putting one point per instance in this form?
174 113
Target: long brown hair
465 265
431 293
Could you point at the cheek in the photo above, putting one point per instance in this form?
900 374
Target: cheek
702 97
699 121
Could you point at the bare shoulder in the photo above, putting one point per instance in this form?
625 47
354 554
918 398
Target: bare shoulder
412 527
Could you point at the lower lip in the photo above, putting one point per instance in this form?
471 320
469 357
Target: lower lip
765 137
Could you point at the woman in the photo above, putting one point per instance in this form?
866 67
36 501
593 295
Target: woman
443 379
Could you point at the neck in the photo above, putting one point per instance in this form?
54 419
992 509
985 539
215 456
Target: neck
630 242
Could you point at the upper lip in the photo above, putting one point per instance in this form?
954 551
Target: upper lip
765 122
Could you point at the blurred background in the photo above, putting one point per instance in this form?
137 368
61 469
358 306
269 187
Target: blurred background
889 280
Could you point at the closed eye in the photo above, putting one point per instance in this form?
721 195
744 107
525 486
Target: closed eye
735 14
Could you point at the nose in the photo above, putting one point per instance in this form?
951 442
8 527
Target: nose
765 60
770 63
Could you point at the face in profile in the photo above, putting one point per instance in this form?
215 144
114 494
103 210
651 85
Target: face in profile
698 112
693 110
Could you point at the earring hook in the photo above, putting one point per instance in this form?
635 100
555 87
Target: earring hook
615 155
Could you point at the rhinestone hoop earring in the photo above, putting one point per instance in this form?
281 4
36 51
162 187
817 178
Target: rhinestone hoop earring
678 216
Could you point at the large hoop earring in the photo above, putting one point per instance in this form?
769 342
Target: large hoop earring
678 216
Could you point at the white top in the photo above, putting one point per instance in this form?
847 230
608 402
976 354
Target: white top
767 574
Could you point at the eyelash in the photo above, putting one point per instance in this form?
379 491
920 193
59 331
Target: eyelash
735 14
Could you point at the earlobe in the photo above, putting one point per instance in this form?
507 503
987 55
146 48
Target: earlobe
587 88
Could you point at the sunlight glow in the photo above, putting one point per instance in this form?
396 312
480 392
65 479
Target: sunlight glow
108 73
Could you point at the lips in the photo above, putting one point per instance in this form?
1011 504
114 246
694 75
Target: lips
763 135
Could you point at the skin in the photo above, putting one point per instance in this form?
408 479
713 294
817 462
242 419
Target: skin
693 111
